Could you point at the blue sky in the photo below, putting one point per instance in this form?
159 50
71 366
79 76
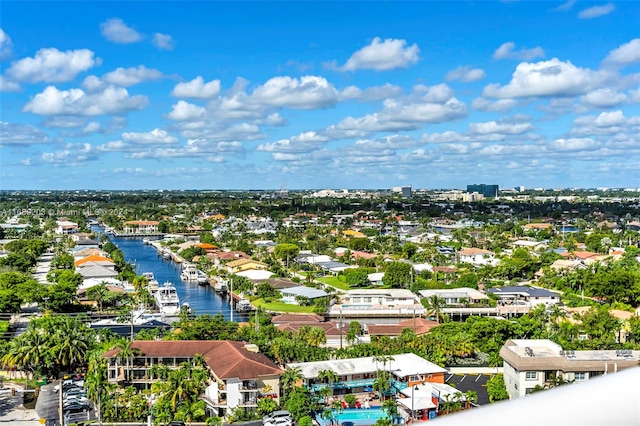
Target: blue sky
254 95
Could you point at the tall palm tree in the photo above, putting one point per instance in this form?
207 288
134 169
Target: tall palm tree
435 304
289 378
316 337
190 410
126 354
72 344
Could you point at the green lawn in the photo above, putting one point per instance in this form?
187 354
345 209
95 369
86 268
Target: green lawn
279 306
334 282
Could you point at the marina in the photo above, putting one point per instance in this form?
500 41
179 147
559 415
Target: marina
202 299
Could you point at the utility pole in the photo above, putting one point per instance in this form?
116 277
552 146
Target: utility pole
60 392
231 300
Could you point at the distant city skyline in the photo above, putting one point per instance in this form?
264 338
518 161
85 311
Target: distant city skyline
313 95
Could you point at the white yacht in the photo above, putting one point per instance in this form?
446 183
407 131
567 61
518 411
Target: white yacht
189 272
244 305
152 283
221 285
167 299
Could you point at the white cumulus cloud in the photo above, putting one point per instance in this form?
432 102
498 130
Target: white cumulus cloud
603 98
20 134
163 41
383 55
6 46
112 100
197 89
626 54
184 111
307 92
465 74
52 66
506 51
154 137
129 76
117 31
545 78
596 11
7 85
499 128
573 144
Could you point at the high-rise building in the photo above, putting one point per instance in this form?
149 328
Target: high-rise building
489 191
406 191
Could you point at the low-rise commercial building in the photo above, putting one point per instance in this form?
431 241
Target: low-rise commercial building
531 364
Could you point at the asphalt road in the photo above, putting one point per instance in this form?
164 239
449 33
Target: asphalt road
473 382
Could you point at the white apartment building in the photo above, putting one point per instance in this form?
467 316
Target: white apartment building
535 362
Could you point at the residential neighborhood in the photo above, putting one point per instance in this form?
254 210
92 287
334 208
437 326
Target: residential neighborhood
203 312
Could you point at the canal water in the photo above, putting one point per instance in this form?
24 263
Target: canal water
201 299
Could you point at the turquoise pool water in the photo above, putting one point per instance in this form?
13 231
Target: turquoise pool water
360 417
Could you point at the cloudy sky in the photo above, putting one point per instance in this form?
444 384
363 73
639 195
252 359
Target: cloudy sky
197 95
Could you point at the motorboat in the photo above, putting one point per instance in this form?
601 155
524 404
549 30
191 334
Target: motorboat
167 299
189 272
140 319
220 286
244 305
203 279
152 283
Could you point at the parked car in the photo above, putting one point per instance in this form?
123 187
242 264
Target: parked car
279 421
280 414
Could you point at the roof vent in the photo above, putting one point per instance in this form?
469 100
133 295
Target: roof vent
528 351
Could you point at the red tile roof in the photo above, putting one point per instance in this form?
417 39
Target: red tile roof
227 359
297 318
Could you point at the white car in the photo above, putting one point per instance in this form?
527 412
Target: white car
280 421
271 418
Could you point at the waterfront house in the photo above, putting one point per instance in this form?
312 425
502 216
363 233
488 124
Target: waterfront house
244 265
378 303
140 227
66 227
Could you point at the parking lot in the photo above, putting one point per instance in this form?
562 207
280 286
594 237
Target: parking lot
471 382
49 402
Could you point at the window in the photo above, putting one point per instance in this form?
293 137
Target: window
367 300
531 375
580 376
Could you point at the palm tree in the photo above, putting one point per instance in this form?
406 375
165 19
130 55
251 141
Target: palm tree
72 344
316 337
29 351
390 407
98 293
435 304
126 354
97 385
290 378
191 410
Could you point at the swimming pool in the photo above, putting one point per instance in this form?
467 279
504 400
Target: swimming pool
360 417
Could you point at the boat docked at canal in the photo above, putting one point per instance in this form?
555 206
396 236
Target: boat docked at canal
220 285
152 283
167 300
244 305
191 273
